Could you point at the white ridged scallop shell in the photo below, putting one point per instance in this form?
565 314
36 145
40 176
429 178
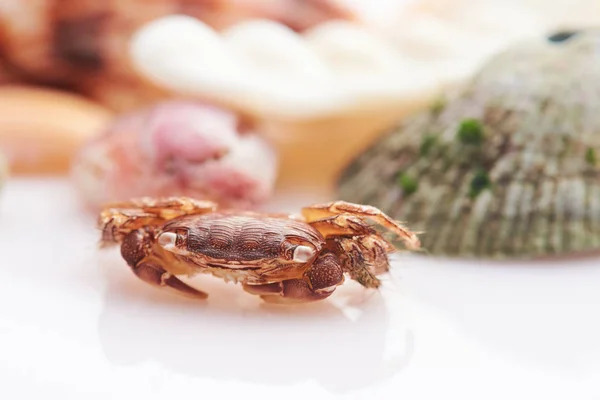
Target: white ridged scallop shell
399 52
267 69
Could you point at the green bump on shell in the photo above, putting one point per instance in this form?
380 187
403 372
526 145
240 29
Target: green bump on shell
470 131
480 182
590 156
408 184
426 145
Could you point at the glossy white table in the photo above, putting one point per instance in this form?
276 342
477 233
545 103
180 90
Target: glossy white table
75 323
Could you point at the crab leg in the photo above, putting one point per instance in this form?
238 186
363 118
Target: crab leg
286 292
117 219
319 282
342 225
342 208
366 257
157 276
166 206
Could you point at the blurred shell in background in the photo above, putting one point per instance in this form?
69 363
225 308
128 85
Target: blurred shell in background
321 78
318 95
4 170
82 44
177 148
326 93
42 129
508 166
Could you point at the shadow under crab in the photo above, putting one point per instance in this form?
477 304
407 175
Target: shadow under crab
506 166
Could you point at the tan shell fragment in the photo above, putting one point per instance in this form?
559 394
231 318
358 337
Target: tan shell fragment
4 171
509 166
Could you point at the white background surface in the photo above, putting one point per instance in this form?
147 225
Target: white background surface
75 323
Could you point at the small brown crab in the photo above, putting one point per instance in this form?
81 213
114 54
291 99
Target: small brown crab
281 258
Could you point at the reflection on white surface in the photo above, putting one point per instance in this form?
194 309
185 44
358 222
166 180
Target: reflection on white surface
546 314
234 336
75 323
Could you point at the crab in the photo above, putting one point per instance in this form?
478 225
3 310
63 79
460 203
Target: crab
283 258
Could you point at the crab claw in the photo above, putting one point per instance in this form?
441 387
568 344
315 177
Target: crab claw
158 276
320 281
134 250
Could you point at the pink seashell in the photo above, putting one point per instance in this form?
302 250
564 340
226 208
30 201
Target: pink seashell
177 148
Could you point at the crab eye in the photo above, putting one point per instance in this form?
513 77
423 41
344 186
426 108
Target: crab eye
303 253
167 240
174 241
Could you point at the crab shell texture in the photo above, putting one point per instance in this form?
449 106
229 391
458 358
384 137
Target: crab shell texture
283 250
505 167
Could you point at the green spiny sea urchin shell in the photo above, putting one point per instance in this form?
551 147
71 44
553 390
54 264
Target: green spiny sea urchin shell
507 166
